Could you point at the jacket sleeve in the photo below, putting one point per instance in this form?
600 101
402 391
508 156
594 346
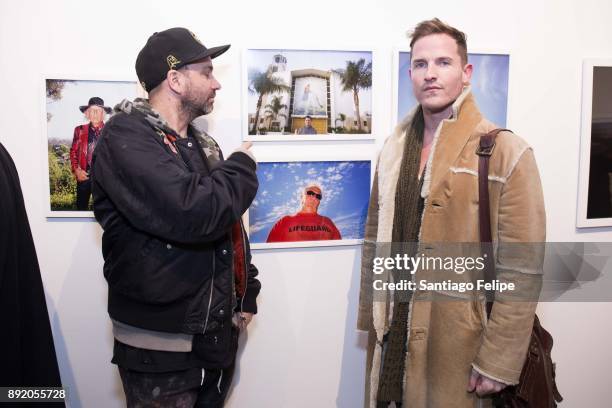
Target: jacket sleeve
156 193
520 257
74 150
368 252
248 303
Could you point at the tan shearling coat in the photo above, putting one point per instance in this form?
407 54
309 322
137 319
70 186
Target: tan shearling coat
447 339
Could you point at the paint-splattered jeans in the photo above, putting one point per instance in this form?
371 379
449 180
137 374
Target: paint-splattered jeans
187 388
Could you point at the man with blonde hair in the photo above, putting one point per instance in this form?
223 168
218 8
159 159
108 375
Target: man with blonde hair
307 224
446 353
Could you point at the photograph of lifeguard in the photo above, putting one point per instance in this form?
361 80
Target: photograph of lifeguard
300 92
489 85
310 201
76 112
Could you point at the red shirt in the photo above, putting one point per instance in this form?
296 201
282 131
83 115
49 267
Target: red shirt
303 227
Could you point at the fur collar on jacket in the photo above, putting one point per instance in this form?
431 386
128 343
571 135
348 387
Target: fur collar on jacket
207 143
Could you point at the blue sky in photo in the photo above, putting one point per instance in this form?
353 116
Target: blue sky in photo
324 60
65 112
345 188
302 59
489 86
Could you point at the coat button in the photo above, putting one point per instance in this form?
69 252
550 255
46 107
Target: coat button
189 144
224 252
169 246
221 312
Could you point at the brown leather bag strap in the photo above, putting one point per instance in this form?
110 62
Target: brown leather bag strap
484 152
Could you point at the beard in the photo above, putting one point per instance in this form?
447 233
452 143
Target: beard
194 105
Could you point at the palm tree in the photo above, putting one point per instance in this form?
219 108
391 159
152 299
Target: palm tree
273 110
262 84
55 88
54 91
341 117
356 76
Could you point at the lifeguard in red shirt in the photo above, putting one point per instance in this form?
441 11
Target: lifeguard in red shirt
307 224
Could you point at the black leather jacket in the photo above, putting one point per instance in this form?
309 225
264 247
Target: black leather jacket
167 218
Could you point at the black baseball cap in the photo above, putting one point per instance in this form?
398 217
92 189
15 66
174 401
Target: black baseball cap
170 49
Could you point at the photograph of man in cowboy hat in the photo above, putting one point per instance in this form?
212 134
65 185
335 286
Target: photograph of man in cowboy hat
83 144
76 111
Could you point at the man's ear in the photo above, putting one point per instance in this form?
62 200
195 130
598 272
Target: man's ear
468 69
176 81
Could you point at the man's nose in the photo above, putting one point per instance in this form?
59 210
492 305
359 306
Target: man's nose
431 73
216 85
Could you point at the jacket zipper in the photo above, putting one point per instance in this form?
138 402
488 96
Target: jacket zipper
212 281
246 271
212 287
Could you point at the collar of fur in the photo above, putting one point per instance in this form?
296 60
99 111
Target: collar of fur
463 108
396 141
144 108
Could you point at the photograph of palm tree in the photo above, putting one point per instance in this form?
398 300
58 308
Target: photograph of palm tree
308 92
489 85
343 189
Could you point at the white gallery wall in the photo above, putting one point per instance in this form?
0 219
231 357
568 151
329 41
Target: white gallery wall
302 349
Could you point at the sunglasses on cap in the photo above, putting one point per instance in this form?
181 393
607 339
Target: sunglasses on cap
312 193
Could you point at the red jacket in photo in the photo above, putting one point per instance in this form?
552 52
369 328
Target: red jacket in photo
78 151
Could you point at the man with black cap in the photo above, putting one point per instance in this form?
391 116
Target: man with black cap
177 259
84 142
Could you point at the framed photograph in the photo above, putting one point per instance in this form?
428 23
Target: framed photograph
75 111
304 203
595 181
489 85
307 95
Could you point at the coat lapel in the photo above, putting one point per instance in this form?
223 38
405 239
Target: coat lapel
450 139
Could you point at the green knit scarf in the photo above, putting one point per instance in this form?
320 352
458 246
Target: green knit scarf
406 226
